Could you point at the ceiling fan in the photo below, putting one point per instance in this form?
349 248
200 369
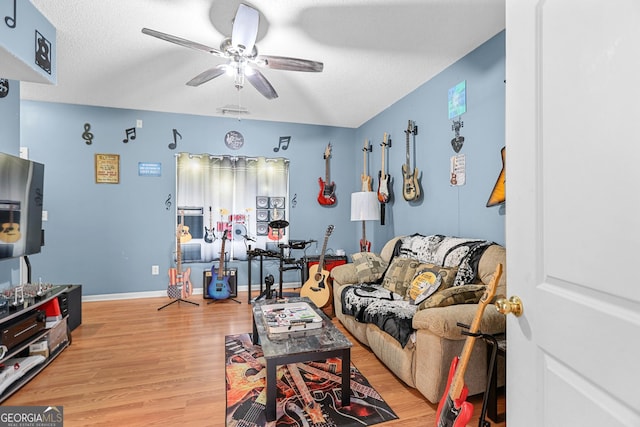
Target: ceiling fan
242 55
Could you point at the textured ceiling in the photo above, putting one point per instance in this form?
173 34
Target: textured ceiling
374 53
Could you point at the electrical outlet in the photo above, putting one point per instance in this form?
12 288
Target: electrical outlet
45 215
138 123
155 270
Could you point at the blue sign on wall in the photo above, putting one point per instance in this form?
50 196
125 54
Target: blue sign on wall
458 99
149 169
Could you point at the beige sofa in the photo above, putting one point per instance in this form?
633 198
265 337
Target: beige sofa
424 362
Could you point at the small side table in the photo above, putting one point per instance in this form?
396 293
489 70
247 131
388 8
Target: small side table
497 346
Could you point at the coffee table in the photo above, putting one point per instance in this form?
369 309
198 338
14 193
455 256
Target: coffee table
300 346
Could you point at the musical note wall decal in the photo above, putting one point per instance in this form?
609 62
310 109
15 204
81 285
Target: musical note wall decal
11 20
86 135
294 201
284 143
174 144
130 135
167 203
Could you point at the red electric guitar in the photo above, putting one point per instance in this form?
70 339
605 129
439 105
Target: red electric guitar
327 195
453 409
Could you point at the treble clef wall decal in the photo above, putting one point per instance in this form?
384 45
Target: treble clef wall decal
294 201
86 135
174 144
284 143
167 203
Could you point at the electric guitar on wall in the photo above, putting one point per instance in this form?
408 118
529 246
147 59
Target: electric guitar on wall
179 281
384 182
453 409
410 184
219 286
366 179
498 193
209 237
327 194
316 288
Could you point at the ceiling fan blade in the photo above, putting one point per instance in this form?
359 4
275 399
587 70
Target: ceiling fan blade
290 64
245 28
182 42
260 82
207 75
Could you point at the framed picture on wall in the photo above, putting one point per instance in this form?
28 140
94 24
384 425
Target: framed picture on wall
107 168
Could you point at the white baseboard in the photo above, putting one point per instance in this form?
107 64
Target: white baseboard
163 293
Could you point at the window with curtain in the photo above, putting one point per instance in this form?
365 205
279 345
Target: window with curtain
232 198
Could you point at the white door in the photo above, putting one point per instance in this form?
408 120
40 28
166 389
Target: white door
573 212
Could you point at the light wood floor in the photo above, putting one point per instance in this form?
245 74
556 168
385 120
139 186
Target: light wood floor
132 365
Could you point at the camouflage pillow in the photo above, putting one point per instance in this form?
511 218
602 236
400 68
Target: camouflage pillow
369 266
428 279
465 294
399 275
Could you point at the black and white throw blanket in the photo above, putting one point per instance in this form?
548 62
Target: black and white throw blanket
371 303
445 251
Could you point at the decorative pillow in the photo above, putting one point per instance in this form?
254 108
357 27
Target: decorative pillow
465 294
399 275
428 279
369 266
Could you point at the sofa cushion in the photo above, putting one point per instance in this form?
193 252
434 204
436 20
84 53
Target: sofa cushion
494 255
465 294
344 274
369 267
428 279
399 275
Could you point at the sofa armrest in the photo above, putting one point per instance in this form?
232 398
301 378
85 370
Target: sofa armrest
442 321
344 274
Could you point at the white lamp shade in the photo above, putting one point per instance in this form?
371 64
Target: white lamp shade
364 206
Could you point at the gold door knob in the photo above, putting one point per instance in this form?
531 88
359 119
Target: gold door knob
511 305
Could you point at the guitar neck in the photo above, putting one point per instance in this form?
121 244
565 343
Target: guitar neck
457 384
221 266
326 170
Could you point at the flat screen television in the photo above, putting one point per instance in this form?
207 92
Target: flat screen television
21 197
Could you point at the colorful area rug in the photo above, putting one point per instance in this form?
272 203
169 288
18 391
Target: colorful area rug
317 404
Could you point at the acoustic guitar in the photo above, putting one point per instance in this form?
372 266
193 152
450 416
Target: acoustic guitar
498 193
453 409
410 184
10 231
219 286
316 288
327 194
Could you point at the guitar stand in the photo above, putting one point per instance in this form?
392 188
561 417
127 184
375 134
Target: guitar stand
177 300
216 300
482 422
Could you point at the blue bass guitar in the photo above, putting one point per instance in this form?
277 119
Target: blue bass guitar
219 286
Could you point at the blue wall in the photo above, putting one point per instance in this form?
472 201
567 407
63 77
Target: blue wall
445 209
108 236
